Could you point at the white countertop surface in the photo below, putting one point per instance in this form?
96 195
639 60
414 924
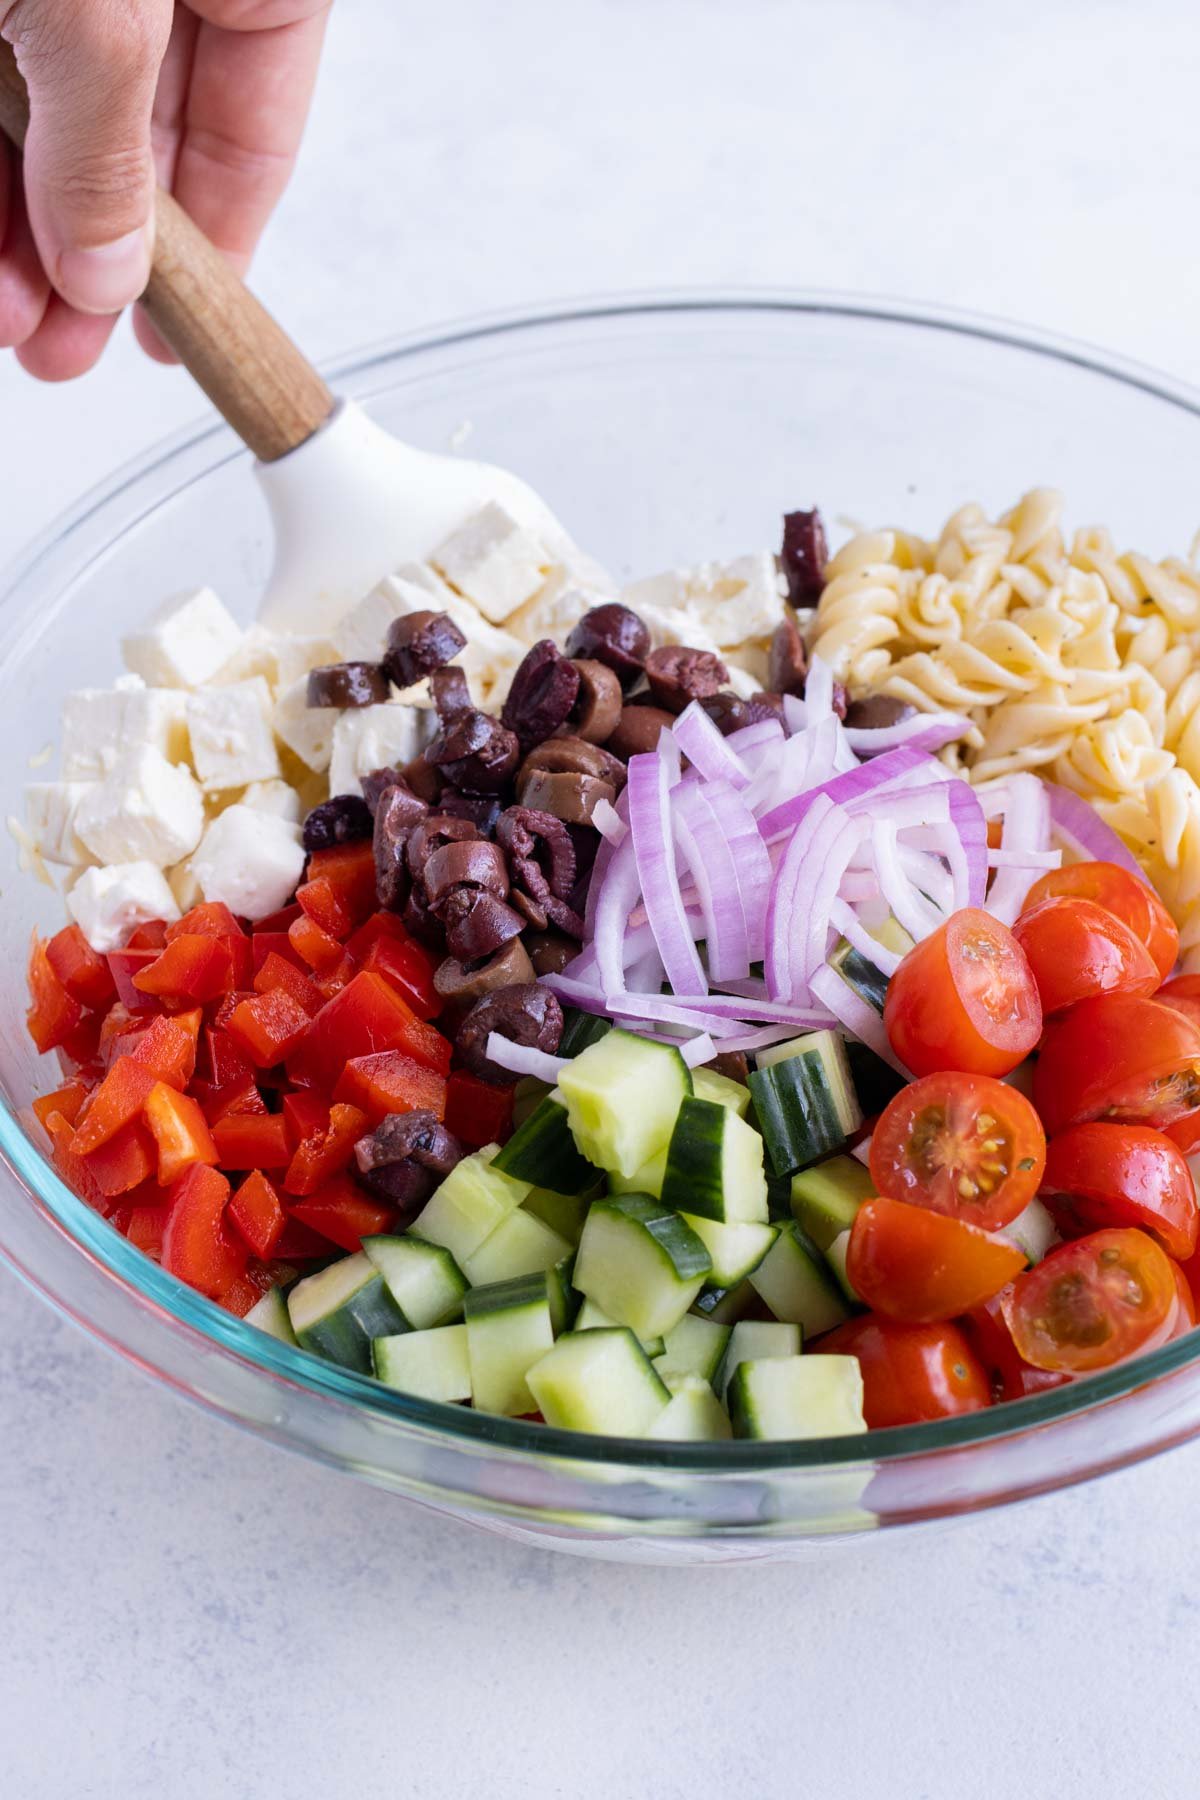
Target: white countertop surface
188 1615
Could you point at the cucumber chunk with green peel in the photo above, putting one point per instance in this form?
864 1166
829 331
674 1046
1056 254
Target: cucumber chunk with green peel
804 1100
432 1364
867 980
693 1415
598 1381
337 1312
641 1263
826 1198
693 1347
520 1245
472 1200
709 1085
580 1029
542 1152
798 1285
797 1397
528 1095
564 1213
270 1314
423 1279
509 1326
756 1339
734 1250
646 1180
875 1081
591 1317
726 1305
715 1166
622 1095
835 1256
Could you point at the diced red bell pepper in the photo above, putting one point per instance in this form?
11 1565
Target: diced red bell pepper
123 1161
67 1100
197 1244
279 972
252 1141
343 1213
306 1113
366 1016
222 1061
257 1211
390 1082
277 921
71 1167
83 971
274 943
325 1153
211 918
332 981
268 1027
241 1096
123 965
325 907
145 1227
192 968
314 945
380 924
300 1243
115 1103
350 871
477 1112
168 1047
150 936
409 968
53 1013
180 1130
80 1048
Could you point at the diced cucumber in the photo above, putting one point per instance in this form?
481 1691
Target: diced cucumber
528 1095
869 982
509 1327
338 1311
779 1198
542 1152
622 1095
564 1213
471 1202
797 1397
756 1339
591 1317
423 1279
599 1381
835 1256
875 1081
826 1198
715 1166
1033 1231
709 1085
581 1029
560 1291
733 1249
520 1245
693 1347
797 1284
693 1415
270 1314
641 1263
433 1364
726 1305
804 1100
646 1180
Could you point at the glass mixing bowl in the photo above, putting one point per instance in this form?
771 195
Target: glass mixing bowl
660 430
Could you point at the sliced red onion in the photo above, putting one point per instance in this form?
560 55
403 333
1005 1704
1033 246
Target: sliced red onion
524 1059
749 1041
910 907
873 777
609 823
818 693
923 731
619 891
604 856
713 1012
1026 827
751 860
1082 832
1025 859
706 750
862 1151
843 918
714 873
753 742
654 853
777 961
698 1050
859 1019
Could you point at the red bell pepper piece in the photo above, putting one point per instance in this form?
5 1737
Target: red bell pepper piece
349 870
325 1153
211 918
267 1027
332 981
117 1101
477 1112
390 1082
379 925
168 1047
180 1130
222 1060
325 907
300 1243
123 1161
197 1246
367 1015
150 936
274 943
145 1227
80 1048
314 945
343 1213
247 1140
83 971
53 1013
409 968
190 968
240 1096
65 1100
257 1211
277 921
306 1114
123 965
71 1167
278 972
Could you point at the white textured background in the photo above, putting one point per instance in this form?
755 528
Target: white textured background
189 1616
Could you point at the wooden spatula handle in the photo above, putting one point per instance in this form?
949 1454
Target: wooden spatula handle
247 365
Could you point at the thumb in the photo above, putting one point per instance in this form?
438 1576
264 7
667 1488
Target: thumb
91 71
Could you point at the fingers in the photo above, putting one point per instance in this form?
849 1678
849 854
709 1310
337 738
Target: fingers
66 343
24 289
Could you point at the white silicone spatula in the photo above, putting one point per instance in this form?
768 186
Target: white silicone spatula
348 502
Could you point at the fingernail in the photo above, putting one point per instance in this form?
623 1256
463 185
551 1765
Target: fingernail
106 277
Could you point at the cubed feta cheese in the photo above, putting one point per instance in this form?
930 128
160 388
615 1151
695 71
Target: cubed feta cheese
106 904
374 737
251 860
295 656
362 635
554 611
144 810
274 797
185 645
732 603
306 730
99 724
493 561
183 884
256 654
230 731
50 808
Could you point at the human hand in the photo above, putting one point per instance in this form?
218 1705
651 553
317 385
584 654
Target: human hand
209 98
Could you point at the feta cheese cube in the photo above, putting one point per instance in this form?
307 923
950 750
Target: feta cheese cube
251 860
362 635
99 724
554 611
732 603
306 730
374 737
230 730
493 561
144 810
295 656
183 884
106 904
50 808
257 654
274 797
192 636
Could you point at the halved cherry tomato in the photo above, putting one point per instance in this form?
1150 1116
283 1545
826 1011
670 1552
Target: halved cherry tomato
1012 1378
911 1372
197 1245
257 1212
964 999
83 971
922 1267
1093 1302
1119 1057
963 1145
1076 948
1120 892
1099 1175
53 1013
1184 995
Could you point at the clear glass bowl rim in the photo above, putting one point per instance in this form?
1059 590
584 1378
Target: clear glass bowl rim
148 1282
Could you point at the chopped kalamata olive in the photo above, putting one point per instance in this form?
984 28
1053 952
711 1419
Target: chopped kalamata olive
733 1065
613 635
422 924
418 643
677 675
424 780
477 924
571 755
541 852
638 730
474 862
804 556
347 684
762 706
726 711
481 809
787 663
456 981
475 752
597 711
397 814
377 783
573 798
541 694
526 1014
451 691
405 1158
430 834
876 712
343 820
550 952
